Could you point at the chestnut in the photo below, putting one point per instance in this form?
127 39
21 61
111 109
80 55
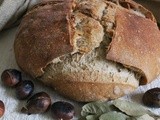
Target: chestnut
2 108
24 89
38 103
151 98
62 110
11 77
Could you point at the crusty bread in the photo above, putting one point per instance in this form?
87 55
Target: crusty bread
68 45
145 48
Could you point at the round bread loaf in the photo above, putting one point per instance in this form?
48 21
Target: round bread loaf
70 46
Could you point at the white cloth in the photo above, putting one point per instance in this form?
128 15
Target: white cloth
13 10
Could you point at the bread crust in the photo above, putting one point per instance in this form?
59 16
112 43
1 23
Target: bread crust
40 40
85 91
49 31
130 4
134 45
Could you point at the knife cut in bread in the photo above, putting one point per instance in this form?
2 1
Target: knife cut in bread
89 50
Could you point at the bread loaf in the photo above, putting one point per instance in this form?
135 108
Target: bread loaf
89 50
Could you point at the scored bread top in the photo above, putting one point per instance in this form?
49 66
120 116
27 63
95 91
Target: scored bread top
136 44
55 28
43 35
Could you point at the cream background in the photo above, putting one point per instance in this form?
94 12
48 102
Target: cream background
13 106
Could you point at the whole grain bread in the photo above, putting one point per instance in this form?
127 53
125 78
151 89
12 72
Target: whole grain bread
74 47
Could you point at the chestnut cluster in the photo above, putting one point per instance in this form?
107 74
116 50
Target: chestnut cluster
37 103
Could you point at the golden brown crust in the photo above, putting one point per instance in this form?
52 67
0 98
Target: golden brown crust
88 85
40 40
48 31
130 4
135 44
88 91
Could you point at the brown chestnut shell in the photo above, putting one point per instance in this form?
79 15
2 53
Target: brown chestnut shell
38 103
151 98
11 77
2 108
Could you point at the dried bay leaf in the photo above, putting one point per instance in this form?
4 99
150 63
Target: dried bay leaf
113 115
125 109
145 117
131 118
92 117
82 118
130 108
89 117
96 108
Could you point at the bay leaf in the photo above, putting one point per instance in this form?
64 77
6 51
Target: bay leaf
145 117
96 108
130 108
113 115
131 118
82 118
92 117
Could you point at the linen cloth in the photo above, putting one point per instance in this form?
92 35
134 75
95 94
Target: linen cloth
11 12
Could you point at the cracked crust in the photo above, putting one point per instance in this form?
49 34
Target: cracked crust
64 43
36 44
143 53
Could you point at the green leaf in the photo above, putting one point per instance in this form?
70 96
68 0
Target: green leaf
96 108
145 117
130 108
92 117
113 116
131 118
82 118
